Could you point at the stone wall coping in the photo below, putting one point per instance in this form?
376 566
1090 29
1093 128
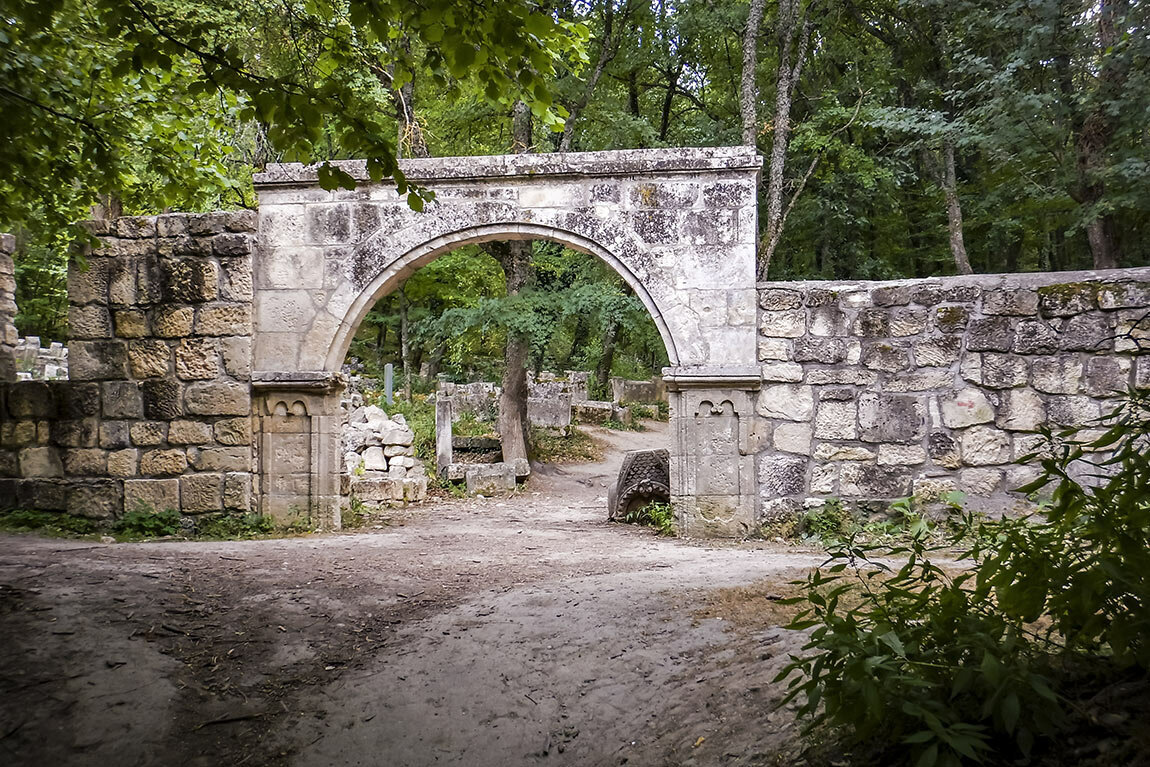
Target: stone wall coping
608 163
746 377
1003 280
298 379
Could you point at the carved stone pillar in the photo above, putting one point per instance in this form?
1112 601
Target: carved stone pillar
298 425
713 484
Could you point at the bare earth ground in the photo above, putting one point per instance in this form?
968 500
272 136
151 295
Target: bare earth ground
513 631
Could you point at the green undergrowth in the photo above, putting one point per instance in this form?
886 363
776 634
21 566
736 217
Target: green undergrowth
570 446
833 523
1013 641
143 524
660 516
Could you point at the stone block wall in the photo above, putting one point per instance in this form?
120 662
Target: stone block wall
40 363
8 335
881 390
157 410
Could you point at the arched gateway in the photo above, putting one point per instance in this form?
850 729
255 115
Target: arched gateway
678 225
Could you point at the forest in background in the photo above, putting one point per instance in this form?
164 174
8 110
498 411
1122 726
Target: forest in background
902 138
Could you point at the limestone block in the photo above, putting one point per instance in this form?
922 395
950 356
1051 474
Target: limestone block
1021 303
91 321
221 458
1003 371
783 324
123 463
1133 332
236 279
938 351
1123 295
161 399
872 323
391 451
994 334
85 462
823 478
1068 299
1020 476
17 433
656 227
984 446
779 299
395 470
1087 332
840 393
1142 373
1107 375
201 492
149 358
237 494
183 432
907 321
741 307
774 349
31 399
376 490
922 380
130 323
189 281
114 434
89 283
374 459
933 489
97 360
173 321
782 371
232 244
96 499
951 319
136 227
827 451
75 433
40 462
901 455
845 376
233 431
1073 411
967 407
824 350
943 449
1035 337
885 357
866 480
162 463
793 438
1027 444
891 417
1056 375
217 398
284 311
490 479
148 433
827 321
121 399
792 402
1021 410
197 359
836 420
891 295
236 353
224 320
981 482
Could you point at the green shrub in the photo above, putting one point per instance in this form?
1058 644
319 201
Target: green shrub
927 667
235 526
47 521
660 516
143 522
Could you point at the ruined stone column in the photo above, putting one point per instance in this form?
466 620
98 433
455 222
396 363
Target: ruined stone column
8 334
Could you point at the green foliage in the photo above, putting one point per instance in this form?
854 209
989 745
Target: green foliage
571 446
928 665
660 516
145 522
420 417
230 526
48 522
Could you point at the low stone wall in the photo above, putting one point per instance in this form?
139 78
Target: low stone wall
624 391
883 390
158 409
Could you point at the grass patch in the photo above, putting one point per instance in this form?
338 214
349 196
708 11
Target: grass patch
660 516
48 523
574 446
225 526
145 523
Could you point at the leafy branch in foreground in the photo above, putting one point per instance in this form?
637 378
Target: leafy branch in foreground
982 659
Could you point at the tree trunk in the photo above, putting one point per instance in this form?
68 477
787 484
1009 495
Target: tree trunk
954 210
606 52
603 369
411 140
672 84
786 81
436 360
749 87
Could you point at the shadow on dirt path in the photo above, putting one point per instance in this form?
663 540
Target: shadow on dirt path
505 631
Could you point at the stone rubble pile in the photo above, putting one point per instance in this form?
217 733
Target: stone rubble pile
37 363
379 458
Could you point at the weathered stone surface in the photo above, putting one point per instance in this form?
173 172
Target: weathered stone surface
981 482
783 324
943 449
827 321
793 438
1122 295
1056 375
827 451
1021 410
182 432
836 420
201 493
782 371
872 323
1087 332
825 350
886 357
173 322
224 320
237 495
149 358
995 334
907 321
89 322
123 463
151 494
780 476
1035 337
864 480
97 360
130 323
1073 411
31 399
901 455
787 401
774 349
778 299
41 462
1003 371
148 433
217 398
951 319
233 431
96 499
490 479
1023 303
1106 376
121 399
890 417
197 359
984 446
824 478
938 351
933 489
221 458
923 380
188 280
115 434
1067 299
892 295
85 462
849 376
163 463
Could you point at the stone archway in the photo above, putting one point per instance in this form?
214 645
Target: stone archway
678 225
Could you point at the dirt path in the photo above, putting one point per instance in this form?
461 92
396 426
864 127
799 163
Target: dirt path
510 631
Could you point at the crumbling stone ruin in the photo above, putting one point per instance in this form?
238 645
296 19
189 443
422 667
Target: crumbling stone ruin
379 459
644 477
204 363
40 363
